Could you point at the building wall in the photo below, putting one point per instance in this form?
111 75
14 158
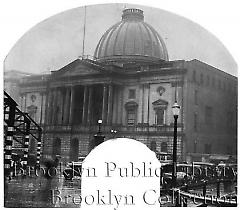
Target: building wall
12 79
84 140
209 134
146 94
219 136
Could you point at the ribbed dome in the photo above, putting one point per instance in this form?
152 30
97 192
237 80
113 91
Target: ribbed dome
131 38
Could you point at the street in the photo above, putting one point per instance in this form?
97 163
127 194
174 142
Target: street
42 192
39 191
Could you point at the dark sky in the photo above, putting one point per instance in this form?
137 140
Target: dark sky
57 41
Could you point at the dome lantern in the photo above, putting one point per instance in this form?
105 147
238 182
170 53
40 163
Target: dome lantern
132 14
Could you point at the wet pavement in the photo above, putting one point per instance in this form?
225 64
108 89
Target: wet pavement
39 191
33 191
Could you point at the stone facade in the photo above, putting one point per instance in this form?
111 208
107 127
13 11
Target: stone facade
132 94
109 99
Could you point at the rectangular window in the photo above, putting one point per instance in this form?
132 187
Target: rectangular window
229 120
219 84
208 115
213 82
207 148
194 76
207 81
195 122
160 117
196 97
201 79
132 94
131 117
195 146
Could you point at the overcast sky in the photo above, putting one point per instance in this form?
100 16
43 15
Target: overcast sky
57 40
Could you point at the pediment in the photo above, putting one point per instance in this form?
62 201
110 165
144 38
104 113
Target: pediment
160 103
77 68
80 70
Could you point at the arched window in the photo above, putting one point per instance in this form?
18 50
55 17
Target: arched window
153 146
164 147
56 149
74 149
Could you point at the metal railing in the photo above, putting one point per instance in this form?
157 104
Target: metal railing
18 125
117 127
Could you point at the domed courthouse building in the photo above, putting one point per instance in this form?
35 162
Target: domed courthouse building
131 86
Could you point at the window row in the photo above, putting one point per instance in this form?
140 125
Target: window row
208 118
215 83
207 148
229 121
132 116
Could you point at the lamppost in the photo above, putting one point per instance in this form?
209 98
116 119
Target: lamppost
98 137
175 110
99 126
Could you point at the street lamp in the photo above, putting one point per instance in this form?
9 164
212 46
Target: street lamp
176 111
98 137
99 126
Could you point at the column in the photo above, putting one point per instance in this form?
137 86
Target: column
115 105
148 105
121 105
47 109
139 114
104 103
50 108
110 103
21 105
84 110
60 105
25 103
44 106
141 108
89 105
119 109
41 111
71 114
145 102
54 107
66 106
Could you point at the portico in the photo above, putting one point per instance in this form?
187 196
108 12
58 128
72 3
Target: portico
82 104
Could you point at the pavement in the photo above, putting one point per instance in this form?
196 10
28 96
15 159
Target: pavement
38 191
34 192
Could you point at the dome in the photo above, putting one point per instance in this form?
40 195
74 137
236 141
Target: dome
131 39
